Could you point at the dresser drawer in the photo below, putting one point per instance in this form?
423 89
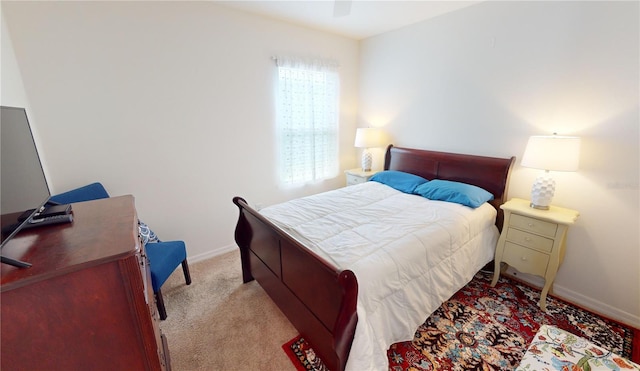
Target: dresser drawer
354 179
530 240
525 260
533 225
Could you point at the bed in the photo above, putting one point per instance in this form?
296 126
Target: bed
320 296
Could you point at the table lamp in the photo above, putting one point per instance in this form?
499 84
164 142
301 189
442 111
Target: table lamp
368 138
551 152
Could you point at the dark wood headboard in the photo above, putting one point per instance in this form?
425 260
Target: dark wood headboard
490 173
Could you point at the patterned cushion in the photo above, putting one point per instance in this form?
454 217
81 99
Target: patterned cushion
556 349
146 234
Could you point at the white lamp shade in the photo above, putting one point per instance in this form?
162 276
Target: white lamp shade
369 138
553 152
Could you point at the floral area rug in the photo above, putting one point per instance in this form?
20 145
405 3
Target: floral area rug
302 355
489 328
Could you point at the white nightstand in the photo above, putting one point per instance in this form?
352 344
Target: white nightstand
357 176
533 241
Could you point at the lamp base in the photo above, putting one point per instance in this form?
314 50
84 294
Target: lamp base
542 192
366 160
539 207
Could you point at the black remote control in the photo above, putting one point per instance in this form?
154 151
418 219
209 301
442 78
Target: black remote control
55 219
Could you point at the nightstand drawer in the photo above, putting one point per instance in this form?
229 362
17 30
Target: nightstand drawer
354 179
525 260
529 240
533 225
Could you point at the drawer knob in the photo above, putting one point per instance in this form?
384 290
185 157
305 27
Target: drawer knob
530 225
524 258
528 239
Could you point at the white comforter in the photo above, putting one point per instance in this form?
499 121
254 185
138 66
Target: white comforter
408 253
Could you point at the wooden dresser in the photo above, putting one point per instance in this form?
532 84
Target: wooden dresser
87 302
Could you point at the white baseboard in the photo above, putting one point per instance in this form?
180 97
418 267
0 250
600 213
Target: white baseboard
580 299
212 253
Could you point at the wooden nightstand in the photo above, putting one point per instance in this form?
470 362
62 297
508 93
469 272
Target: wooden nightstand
533 241
357 176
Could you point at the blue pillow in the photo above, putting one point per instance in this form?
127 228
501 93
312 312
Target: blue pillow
461 193
403 182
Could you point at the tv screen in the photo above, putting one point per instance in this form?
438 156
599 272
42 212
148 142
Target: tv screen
23 185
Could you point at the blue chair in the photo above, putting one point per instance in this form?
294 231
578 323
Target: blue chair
164 256
93 191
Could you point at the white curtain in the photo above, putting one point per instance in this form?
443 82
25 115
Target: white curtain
307 119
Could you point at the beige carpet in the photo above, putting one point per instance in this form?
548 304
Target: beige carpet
219 323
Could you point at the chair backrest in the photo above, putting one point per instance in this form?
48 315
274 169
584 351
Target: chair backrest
93 191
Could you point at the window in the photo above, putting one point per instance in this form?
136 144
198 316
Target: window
307 120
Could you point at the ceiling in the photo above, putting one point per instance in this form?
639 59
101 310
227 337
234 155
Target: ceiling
357 19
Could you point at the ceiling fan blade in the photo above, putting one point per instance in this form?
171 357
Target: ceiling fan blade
341 8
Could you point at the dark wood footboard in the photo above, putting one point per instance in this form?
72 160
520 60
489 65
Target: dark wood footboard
319 300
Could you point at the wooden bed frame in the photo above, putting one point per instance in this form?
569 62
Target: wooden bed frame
318 299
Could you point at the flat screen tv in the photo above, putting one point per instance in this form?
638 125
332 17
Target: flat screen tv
23 185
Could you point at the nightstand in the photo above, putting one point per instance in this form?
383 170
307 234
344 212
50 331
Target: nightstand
357 176
533 241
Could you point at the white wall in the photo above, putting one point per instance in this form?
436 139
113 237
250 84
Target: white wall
11 87
169 101
483 79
